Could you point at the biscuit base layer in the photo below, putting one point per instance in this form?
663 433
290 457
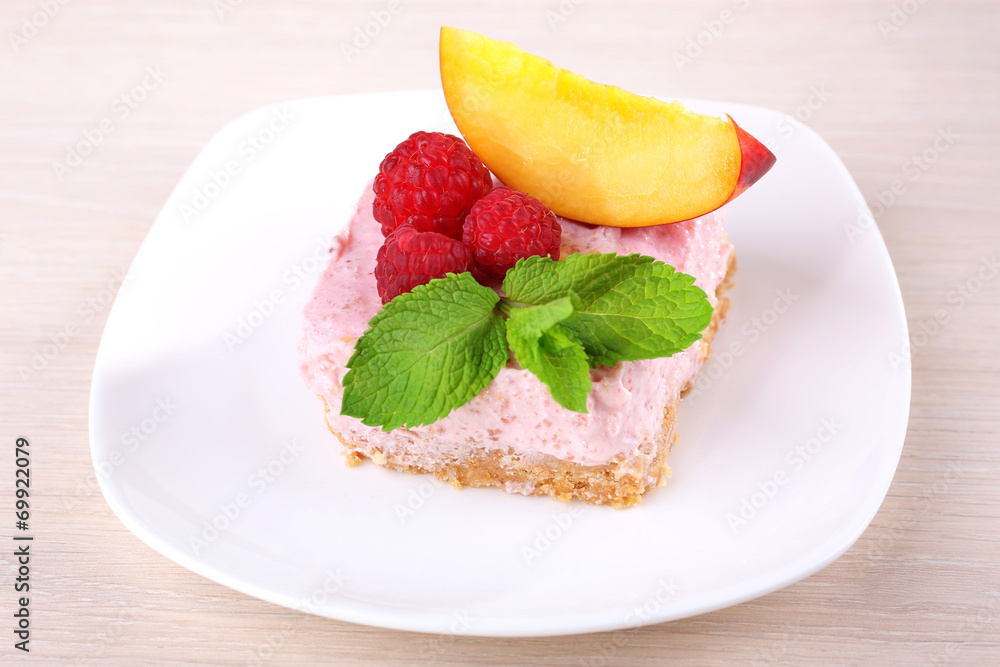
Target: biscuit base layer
619 483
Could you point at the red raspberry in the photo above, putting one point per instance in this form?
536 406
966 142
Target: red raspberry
505 226
430 181
410 257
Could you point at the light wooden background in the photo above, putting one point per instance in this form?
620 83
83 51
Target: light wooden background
920 587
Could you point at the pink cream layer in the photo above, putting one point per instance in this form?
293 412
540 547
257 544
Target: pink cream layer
515 413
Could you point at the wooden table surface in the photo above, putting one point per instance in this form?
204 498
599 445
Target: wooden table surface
881 81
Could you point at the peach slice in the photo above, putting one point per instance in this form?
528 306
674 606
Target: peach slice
592 152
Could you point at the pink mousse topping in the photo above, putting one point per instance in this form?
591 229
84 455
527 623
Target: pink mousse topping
515 413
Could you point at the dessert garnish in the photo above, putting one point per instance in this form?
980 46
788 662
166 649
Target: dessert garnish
591 152
429 181
432 349
507 225
410 257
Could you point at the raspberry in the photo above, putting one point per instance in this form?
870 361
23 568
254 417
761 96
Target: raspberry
430 181
505 226
410 257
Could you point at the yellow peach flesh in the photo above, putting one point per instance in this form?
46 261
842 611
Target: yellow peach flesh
588 151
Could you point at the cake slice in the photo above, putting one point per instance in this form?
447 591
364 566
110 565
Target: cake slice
618 174
513 435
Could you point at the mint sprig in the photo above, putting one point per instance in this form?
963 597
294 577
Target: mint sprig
432 350
627 307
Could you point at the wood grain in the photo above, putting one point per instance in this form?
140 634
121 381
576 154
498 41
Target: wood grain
921 585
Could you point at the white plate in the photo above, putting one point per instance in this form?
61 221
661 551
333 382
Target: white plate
186 432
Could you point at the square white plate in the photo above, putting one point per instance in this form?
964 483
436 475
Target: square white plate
211 450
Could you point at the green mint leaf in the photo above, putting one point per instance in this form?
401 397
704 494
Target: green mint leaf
535 320
550 351
627 307
426 353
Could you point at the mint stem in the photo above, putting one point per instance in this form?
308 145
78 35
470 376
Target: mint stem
505 307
